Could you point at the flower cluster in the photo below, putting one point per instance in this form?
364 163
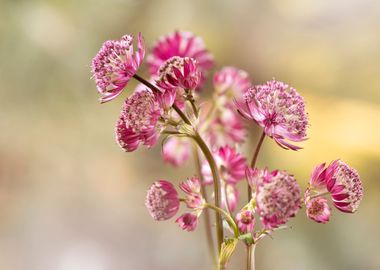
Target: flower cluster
213 132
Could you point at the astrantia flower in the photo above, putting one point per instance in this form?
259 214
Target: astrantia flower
188 222
162 200
344 185
231 83
115 64
142 119
277 197
192 188
227 128
231 165
245 220
230 196
179 72
176 151
318 209
182 44
341 181
280 110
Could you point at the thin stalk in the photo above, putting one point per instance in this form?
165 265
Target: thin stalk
319 194
210 240
251 257
215 175
227 216
254 159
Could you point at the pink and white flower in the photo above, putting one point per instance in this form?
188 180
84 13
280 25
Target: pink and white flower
280 110
162 200
231 165
277 197
317 209
188 221
115 64
142 119
245 220
231 83
341 181
192 188
182 44
179 72
176 151
226 128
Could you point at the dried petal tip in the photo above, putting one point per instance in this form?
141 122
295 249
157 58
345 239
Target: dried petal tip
115 64
182 44
178 72
162 200
280 110
317 209
245 220
188 222
277 197
345 186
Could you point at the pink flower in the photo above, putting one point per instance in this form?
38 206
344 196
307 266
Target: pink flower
141 119
182 44
317 209
279 110
188 222
162 200
226 128
115 64
231 165
277 197
192 188
345 186
245 220
176 151
178 72
341 181
231 83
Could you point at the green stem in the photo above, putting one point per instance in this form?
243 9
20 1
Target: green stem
215 175
227 216
254 159
319 194
210 240
251 257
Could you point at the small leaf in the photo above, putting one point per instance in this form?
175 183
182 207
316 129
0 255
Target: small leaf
226 251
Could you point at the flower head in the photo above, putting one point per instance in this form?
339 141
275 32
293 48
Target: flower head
280 110
345 186
162 200
230 196
231 165
115 64
141 120
231 83
317 209
188 222
176 151
182 44
277 197
192 188
227 128
245 220
178 72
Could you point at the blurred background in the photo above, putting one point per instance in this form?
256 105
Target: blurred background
70 199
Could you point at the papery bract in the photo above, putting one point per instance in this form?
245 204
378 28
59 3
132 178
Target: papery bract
162 200
115 64
280 110
188 222
192 188
277 197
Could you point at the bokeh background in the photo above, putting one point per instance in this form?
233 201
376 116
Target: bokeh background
70 199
